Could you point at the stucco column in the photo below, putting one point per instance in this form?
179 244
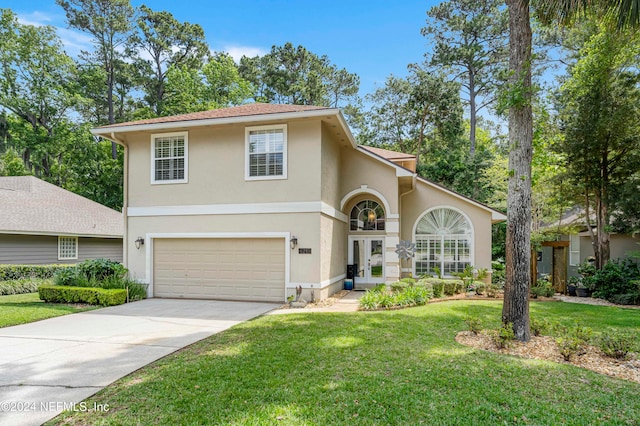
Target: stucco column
392 261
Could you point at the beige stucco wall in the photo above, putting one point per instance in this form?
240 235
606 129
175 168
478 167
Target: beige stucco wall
357 169
216 173
305 268
425 197
331 159
333 237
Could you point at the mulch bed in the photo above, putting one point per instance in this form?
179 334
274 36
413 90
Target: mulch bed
545 348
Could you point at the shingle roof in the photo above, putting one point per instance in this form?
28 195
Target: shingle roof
389 155
237 111
30 205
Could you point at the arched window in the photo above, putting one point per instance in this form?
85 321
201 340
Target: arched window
367 215
443 242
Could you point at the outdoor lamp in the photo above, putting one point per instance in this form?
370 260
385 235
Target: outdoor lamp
294 242
139 242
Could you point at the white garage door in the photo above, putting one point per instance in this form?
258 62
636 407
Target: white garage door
219 268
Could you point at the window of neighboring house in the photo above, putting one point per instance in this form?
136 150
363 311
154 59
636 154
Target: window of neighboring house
67 248
574 250
266 152
367 215
169 158
444 242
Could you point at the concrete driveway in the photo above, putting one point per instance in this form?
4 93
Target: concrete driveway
50 365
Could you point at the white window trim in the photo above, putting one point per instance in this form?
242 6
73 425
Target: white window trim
574 247
247 131
60 237
472 237
185 135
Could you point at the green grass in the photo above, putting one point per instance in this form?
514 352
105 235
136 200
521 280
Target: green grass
23 308
396 367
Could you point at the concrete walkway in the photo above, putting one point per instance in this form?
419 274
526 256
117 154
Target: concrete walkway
347 303
52 365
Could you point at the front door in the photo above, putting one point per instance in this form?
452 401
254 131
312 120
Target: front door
367 253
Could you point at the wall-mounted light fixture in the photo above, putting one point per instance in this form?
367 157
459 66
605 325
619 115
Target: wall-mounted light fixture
293 241
139 242
372 216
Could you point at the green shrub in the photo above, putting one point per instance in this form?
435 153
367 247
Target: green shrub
478 287
101 268
67 276
379 288
625 299
409 296
409 280
438 289
616 344
569 346
369 301
90 295
498 274
136 290
22 286
540 327
474 324
399 286
18 272
504 336
543 288
617 276
418 296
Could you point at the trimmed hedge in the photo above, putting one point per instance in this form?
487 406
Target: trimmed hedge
90 295
22 286
18 272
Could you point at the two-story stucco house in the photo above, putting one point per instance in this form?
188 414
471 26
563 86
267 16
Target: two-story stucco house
249 202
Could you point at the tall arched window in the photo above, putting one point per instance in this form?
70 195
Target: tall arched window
444 240
367 215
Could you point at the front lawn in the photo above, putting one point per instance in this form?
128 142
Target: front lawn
23 308
394 367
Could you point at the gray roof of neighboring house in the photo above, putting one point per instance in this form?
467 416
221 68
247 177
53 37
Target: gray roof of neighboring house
29 205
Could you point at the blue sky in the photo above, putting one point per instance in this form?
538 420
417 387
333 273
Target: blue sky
372 38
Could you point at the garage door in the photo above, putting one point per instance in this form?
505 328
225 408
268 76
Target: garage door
220 268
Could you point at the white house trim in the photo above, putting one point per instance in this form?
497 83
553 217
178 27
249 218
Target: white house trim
154 136
150 237
364 189
230 209
472 254
247 156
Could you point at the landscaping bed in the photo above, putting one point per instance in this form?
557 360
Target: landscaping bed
545 348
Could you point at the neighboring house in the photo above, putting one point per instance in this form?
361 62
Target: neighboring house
560 259
41 223
250 202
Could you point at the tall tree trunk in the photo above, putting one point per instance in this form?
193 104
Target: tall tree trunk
472 112
518 246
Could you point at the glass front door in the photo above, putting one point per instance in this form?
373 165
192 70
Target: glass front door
367 253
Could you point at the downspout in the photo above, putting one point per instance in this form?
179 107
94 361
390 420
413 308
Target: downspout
125 199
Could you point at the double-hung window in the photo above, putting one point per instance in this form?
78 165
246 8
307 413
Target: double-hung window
266 152
169 158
